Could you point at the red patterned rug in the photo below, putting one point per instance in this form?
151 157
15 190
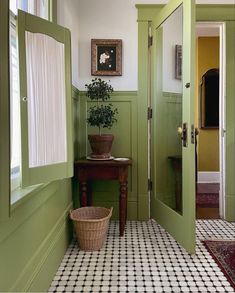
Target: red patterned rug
205 200
223 252
207 195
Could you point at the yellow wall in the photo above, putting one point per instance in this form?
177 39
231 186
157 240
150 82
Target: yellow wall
208 140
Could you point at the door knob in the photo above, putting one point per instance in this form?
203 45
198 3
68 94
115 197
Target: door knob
179 130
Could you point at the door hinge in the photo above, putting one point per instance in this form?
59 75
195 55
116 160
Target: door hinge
150 41
150 185
150 113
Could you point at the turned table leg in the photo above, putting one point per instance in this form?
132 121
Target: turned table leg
83 194
122 207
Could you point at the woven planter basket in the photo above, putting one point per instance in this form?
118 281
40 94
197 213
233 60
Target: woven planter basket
91 226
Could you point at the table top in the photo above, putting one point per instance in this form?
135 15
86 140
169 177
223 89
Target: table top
114 162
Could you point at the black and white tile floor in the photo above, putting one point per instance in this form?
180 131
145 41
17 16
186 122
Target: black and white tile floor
146 259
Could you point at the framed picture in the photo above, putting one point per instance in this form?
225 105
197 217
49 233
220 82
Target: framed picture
106 57
178 62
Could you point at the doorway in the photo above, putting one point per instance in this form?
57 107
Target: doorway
209 120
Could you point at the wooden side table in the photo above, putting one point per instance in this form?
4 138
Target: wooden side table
177 167
88 170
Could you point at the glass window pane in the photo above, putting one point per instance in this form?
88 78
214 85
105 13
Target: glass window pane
15 100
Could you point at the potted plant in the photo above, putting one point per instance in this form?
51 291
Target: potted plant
101 115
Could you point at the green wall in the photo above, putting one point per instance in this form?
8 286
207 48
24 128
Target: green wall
106 193
35 237
34 230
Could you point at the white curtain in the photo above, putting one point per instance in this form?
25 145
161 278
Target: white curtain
46 100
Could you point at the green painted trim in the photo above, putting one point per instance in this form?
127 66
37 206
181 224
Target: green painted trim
230 207
142 123
170 95
215 12
27 206
35 24
230 122
75 93
32 176
147 12
167 9
38 262
43 279
144 6
4 111
69 112
76 132
19 195
52 10
115 94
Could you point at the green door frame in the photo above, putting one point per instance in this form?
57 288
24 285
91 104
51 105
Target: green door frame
4 112
146 14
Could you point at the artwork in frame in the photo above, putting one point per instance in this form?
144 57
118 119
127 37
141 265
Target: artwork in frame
106 57
178 62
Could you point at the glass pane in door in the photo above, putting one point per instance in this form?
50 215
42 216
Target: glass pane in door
169 130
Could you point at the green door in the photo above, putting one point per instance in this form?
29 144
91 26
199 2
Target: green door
172 131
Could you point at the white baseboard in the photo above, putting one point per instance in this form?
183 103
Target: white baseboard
208 177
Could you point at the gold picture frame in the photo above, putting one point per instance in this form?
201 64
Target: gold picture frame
106 57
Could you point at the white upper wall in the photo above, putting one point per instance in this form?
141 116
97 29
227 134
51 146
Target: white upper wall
105 19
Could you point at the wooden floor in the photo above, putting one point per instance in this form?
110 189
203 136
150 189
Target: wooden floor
207 213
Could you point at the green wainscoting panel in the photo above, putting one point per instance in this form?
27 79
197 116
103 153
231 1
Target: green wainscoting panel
230 207
75 96
105 193
35 229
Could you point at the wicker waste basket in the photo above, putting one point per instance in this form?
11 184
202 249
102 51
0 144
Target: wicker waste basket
91 226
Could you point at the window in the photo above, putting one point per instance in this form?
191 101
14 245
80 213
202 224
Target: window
41 128
15 106
39 8
36 7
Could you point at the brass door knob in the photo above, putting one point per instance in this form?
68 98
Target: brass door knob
179 130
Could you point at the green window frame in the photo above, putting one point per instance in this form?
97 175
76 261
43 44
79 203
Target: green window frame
4 112
47 173
5 182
